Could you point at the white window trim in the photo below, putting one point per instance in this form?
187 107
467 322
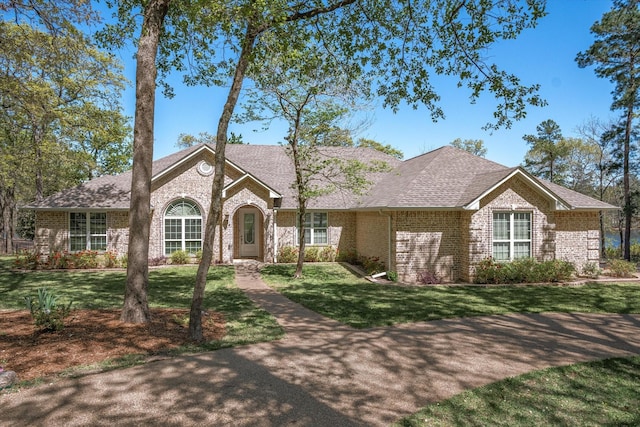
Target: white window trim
182 219
312 230
88 234
512 240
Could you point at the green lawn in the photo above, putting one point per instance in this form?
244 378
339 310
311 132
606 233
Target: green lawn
170 287
600 393
335 292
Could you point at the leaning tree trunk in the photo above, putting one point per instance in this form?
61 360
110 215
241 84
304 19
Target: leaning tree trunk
136 306
215 210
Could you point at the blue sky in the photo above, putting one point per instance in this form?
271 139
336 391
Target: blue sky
543 55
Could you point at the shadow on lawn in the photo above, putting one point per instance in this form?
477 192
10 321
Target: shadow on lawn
324 373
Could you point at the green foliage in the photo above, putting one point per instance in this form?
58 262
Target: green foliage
372 264
311 254
28 260
198 256
334 291
597 393
387 149
85 259
124 260
47 314
110 259
289 254
622 268
526 270
328 254
473 146
392 275
591 270
350 256
548 153
179 257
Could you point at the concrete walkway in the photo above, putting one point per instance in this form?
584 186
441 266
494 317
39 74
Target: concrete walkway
324 373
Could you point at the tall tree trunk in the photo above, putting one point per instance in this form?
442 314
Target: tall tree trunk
302 200
38 138
136 306
8 211
628 208
215 210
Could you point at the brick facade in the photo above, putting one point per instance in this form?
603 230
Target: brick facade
341 229
449 243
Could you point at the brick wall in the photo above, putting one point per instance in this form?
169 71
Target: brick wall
341 229
577 237
372 236
52 232
118 232
427 241
184 182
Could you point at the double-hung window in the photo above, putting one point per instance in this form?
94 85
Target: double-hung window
182 228
315 228
511 235
87 231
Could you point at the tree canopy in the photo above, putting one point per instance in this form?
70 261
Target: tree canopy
615 55
396 46
61 121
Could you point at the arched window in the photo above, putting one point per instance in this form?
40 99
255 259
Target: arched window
182 227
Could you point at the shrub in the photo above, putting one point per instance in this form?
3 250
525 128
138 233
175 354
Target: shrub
198 256
622 268
159 260
349 256
45 311
328 254
312 254
591 270
526 270
59 260
179 257
612 253
28 260
427 277
110 259
288 254
392 275
372 264
124 261
85 259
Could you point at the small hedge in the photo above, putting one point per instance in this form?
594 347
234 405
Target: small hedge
525 270
289 254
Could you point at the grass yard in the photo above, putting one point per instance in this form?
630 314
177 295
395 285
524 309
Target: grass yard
94 325
335 292
597 393
600 393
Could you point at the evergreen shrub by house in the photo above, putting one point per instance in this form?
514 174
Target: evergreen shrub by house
289 254
525 270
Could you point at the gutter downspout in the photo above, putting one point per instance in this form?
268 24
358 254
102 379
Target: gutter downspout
388 238
275 236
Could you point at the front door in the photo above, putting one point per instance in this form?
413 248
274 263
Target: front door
249 235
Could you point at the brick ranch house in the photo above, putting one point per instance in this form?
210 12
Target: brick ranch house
443 211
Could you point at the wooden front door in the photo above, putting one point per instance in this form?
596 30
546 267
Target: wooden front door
249 219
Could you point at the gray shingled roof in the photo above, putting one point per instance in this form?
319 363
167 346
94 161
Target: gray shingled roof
443 178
